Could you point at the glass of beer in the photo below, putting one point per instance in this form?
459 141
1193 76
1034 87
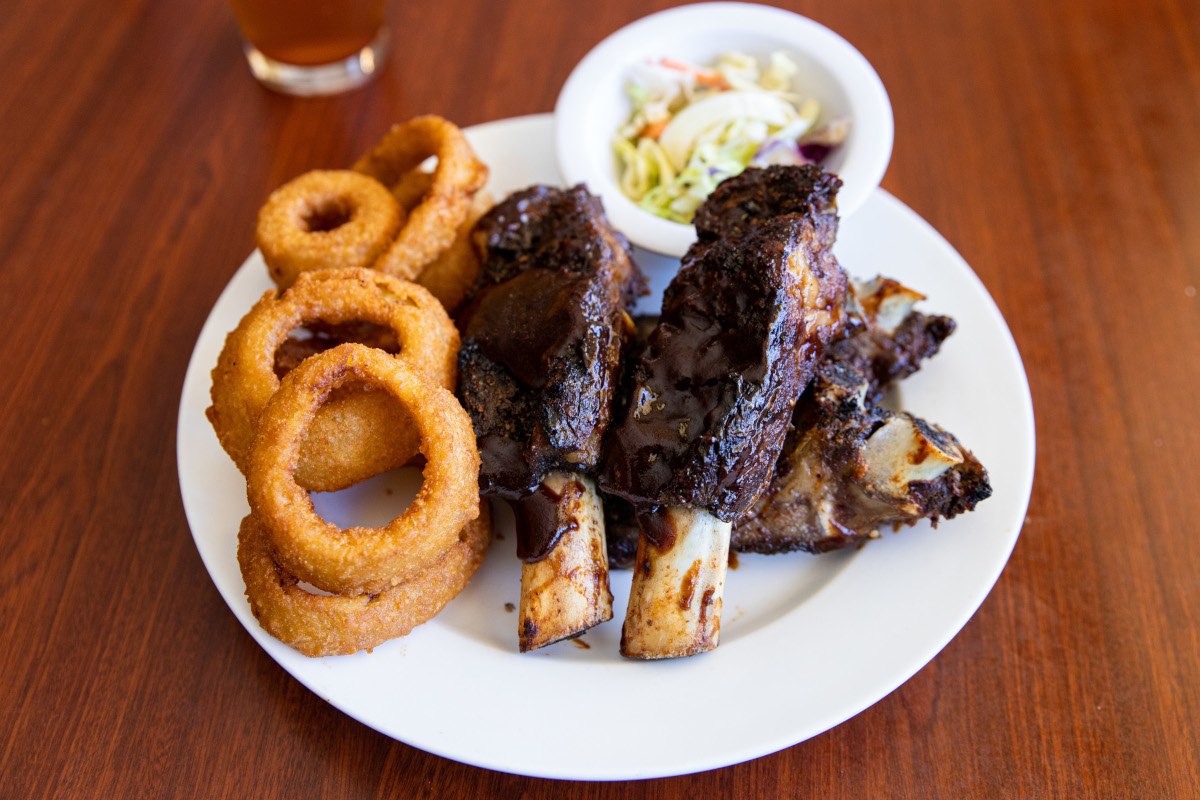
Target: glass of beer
313 47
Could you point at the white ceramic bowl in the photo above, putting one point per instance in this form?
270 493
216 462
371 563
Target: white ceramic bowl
593 103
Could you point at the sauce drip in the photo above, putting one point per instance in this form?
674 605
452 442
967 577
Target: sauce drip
503 468
543 517
714 385
658 528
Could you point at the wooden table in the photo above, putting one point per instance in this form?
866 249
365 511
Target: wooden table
1055 144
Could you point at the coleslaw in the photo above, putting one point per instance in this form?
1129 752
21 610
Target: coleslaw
692 127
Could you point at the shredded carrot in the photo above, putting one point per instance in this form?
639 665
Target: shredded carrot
714 80
654 129
704 77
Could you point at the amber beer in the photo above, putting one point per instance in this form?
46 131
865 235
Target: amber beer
309 32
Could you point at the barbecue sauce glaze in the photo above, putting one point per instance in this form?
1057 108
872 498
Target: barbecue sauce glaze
543 332
711 396
542 517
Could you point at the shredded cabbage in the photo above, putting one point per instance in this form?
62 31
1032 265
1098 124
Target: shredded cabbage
740 116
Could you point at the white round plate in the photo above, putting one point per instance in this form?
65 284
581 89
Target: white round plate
806 641
593 102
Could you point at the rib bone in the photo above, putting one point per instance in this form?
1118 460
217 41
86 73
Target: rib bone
903 451
565 592
743 325
885 303
678 581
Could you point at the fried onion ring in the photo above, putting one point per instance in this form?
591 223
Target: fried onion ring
360 431
410 189
326 219
329 625
433 224
452 274
362 560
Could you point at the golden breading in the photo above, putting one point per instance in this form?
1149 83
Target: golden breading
433 224
334 625
360 431
452 274
362 560
326 219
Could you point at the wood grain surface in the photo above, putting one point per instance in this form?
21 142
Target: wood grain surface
1055 144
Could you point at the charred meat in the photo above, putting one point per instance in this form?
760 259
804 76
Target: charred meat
543 336
743 325
885 338
850 466
543 333
756 196
711 397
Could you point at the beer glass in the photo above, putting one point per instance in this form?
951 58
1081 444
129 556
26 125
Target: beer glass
312 47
